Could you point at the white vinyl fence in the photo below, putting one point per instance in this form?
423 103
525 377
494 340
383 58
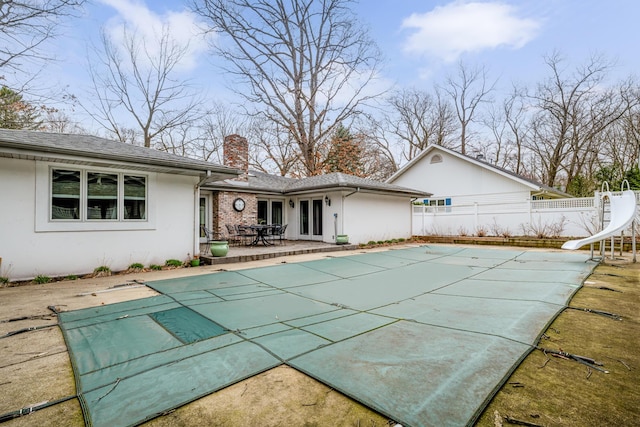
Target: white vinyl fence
574 217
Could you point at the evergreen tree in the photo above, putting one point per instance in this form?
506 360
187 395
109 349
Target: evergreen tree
581 186
633 176
15 113
345 154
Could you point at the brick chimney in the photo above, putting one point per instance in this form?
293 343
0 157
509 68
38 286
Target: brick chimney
236 154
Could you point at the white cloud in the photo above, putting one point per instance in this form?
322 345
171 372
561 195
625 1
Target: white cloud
182 26
448 31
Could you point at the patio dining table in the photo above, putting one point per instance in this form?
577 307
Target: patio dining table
262 231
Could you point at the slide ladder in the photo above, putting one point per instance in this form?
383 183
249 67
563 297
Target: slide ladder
622 213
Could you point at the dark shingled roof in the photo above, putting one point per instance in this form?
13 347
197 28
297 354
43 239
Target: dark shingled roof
50 146
264 183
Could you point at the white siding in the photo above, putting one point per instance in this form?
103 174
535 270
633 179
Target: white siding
27 251
486 201
376 217
461 180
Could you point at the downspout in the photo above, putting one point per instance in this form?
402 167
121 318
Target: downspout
342 208
196 213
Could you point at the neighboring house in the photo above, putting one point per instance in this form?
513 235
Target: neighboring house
314 208
72 203
471 196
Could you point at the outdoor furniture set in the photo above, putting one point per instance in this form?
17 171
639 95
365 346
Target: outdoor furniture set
250 235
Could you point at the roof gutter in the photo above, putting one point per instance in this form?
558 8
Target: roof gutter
203 180
42 151
352 193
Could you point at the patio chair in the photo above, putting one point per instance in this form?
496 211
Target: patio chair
281 230
246 234
209 235
233 236
273 232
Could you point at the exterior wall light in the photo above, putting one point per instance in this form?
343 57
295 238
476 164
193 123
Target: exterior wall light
327 201
291 204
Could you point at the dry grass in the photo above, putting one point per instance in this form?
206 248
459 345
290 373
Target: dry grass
551 391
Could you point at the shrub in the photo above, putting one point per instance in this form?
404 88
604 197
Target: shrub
71 277
4 280
543 230
495 228
371 242
402 239
102 270
173 263
155 267
481 231
136 266
41 279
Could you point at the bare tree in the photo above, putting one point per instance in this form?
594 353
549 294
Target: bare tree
135 80
418 119
622 139
572 113
26 25
378 163
383 150
57 121
219 121
509 125
272 150
306 64
468 89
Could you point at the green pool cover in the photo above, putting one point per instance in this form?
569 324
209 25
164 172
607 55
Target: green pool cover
424 335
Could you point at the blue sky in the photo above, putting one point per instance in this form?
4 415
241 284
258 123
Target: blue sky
422 41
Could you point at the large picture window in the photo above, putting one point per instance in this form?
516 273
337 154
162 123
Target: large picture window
97 196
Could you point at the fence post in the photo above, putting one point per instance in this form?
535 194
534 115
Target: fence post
475 208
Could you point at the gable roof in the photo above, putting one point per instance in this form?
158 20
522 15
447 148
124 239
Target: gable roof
96 151
532 184
260 182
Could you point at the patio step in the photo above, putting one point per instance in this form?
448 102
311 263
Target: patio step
250 254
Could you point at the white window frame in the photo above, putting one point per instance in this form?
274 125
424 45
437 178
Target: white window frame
438 204
44 222
270 202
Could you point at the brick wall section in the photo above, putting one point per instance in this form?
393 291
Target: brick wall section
223 212
235 155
